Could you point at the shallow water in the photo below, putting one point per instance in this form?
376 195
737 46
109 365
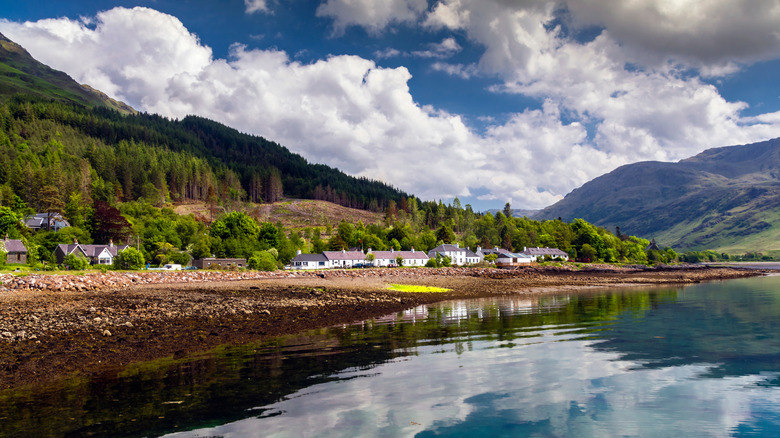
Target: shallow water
697 361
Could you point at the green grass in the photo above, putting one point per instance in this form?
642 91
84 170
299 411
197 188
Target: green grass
416 288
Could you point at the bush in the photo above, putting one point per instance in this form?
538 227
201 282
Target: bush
130 258
76 262
262 261
431 263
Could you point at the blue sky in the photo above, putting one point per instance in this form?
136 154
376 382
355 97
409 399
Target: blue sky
487 100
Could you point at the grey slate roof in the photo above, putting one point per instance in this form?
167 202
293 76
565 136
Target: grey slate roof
344 255
486 251
448 248
511 255
91 250
552 252
407 255
14 246
309 258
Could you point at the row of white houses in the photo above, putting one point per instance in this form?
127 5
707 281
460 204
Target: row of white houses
458 256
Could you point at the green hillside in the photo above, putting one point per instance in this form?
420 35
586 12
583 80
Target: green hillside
725 199
57 134
20 73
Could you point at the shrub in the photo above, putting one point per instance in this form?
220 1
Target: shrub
76 262
262 261
130 258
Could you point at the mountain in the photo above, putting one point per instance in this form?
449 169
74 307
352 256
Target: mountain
20 73
726 199
58 138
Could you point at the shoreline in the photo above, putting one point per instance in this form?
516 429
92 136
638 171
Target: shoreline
46 334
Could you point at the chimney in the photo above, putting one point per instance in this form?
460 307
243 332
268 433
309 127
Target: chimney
298 252
369 250
110 243
412 249
479 249
343 251
392 249
75 241
457 245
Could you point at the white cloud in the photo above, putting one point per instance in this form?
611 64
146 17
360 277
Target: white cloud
347 112
460 70
642 112
444 49
387 53
370 14
705 33
448 14
253 6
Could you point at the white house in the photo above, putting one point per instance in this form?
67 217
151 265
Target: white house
387 258
458 256
344 258
309 261
95 254
540 253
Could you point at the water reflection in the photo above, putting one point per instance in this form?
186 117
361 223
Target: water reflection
704 359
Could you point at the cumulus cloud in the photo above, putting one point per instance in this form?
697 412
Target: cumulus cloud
370 14
641 110
715 32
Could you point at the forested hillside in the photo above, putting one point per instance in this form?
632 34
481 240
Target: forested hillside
108 156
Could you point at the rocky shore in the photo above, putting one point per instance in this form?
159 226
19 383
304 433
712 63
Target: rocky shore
53 325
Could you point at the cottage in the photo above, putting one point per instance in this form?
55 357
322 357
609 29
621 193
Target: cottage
309 261
388 258
512 260
488 251
537 253
46 221
221 262
344 258
95 254
458 256
16 252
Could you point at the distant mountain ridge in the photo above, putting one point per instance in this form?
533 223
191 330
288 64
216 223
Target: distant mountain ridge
20 73
726 198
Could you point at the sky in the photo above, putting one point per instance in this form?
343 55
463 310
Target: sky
492 101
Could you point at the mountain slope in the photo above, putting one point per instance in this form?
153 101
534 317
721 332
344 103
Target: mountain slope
69 138
20 73
725 198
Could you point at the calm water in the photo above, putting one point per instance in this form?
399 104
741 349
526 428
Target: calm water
696 361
